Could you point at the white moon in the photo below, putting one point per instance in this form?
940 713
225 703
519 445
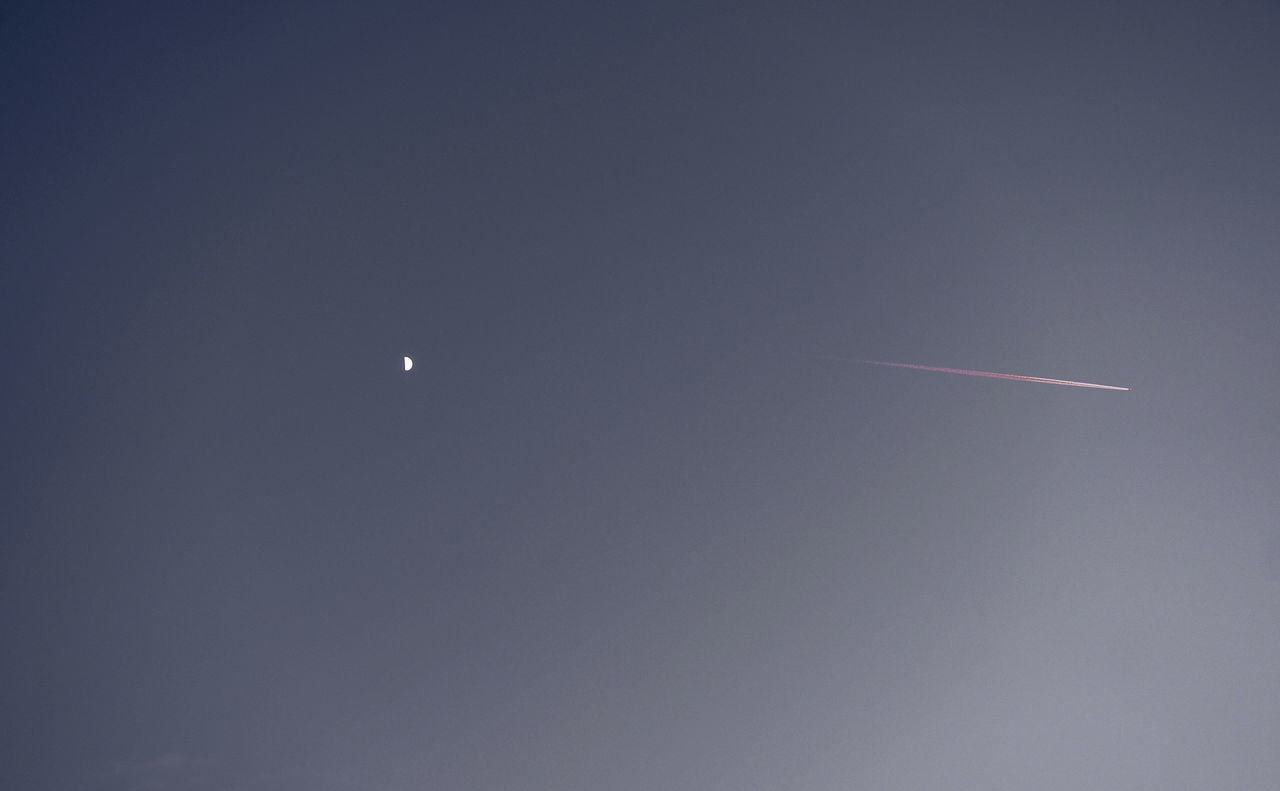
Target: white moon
408 363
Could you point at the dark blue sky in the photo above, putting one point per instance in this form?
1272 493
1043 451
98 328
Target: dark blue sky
627 524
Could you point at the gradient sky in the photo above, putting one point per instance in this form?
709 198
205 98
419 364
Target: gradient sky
627 525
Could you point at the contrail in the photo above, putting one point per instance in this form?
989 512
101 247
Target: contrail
1014 377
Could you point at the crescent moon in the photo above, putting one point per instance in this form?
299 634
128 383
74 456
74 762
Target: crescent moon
408 363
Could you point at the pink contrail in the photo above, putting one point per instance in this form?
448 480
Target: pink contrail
1014 377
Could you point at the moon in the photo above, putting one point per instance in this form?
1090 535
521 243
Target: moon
408 363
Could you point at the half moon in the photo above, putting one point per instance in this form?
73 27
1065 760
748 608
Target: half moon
408 363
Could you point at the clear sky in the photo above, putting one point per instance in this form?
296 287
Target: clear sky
628 524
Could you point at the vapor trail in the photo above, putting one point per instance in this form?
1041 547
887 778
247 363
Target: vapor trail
1014 377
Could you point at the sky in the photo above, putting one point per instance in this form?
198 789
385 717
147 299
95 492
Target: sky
636 519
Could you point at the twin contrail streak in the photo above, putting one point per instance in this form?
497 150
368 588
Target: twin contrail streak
1014 377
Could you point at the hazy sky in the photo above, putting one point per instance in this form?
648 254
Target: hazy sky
627 525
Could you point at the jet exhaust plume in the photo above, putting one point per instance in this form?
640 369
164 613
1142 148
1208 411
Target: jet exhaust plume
1014 377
